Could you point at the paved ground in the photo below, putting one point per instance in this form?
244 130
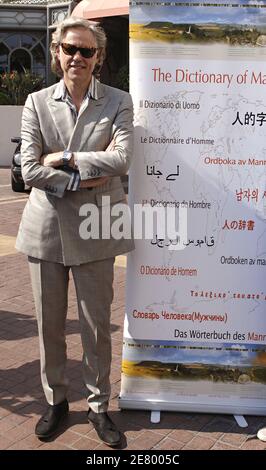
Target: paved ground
21 397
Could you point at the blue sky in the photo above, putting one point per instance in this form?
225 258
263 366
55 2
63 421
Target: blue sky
222 15
240 355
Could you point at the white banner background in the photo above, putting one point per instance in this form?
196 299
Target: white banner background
195 328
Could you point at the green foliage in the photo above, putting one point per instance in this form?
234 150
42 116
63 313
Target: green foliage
15 87
4 99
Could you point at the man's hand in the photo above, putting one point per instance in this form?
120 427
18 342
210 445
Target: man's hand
55 159
94 182
52 159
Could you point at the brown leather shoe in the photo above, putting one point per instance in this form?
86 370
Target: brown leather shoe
49 423
105 428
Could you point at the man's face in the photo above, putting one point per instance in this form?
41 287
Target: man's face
76 67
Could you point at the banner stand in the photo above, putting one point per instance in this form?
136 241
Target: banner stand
195 323
197 407
242 423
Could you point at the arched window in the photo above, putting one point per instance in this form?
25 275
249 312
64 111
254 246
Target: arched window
20 51
4 51
20 60
38 60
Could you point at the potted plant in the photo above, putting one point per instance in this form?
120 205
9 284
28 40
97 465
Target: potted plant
15 87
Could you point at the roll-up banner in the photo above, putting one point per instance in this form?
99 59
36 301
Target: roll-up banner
195 326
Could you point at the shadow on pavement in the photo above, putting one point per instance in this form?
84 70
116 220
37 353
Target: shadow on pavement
16 326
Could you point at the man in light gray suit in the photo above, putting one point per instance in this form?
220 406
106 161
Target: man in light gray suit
76 143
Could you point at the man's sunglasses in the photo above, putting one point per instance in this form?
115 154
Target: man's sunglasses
70 49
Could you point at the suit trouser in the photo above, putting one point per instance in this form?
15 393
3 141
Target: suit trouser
94 288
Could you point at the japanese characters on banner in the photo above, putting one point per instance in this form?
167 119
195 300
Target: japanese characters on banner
195 327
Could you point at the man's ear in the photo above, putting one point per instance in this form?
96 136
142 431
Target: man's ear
98 53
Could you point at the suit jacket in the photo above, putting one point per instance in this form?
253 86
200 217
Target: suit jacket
49 228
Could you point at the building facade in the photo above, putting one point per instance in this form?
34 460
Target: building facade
25 33
25 30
